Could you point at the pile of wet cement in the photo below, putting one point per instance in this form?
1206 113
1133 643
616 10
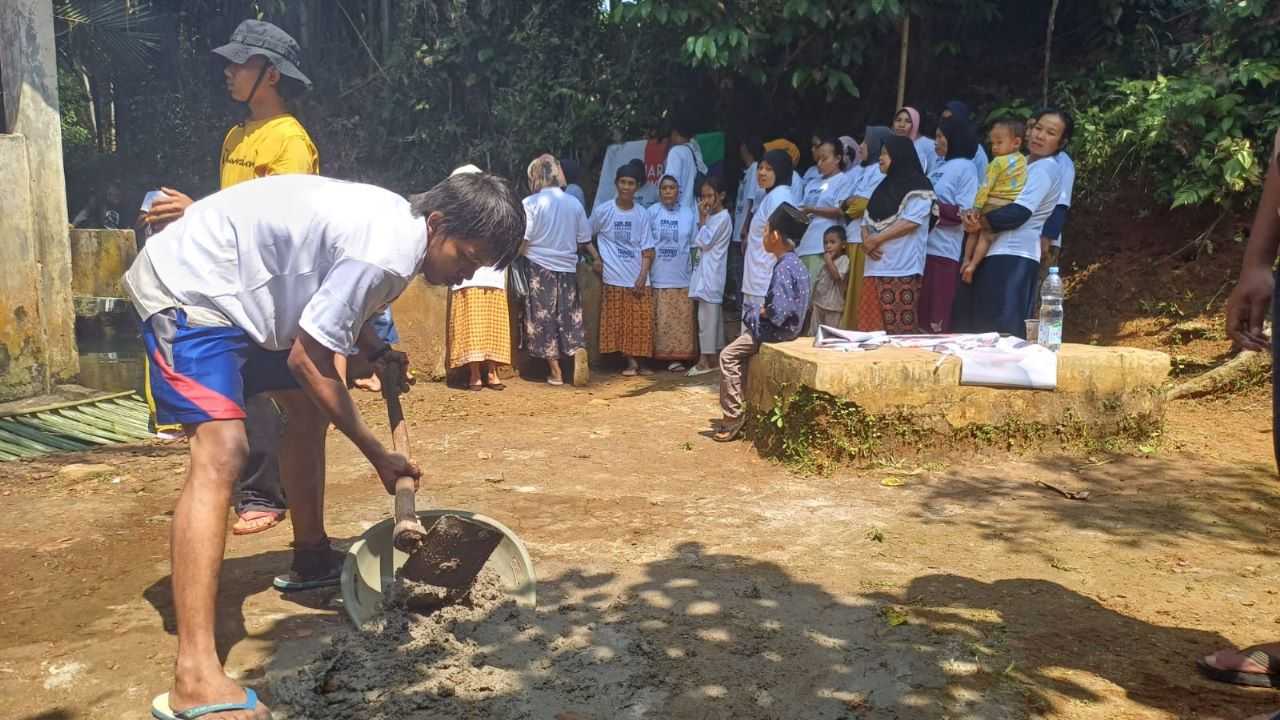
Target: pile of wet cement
434 653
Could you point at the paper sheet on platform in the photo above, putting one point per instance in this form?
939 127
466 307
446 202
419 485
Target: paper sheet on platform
832 338
1011 362
985 358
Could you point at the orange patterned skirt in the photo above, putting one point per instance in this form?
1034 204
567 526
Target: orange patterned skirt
479 326
626 321
675 334
889 304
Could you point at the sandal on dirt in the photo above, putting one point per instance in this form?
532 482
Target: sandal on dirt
630 372
318 566
695 371
256 521
729 431
1268 679
160 709
644 371
676 367
497 386
477 387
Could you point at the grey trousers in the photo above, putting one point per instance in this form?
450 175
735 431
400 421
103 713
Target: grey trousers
710 328
734 361
258 487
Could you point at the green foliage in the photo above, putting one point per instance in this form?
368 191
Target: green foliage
1201 124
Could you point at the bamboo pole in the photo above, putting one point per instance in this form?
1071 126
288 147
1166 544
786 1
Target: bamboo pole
902 57
1048 47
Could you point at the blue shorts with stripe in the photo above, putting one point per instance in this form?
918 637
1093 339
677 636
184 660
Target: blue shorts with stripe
200 374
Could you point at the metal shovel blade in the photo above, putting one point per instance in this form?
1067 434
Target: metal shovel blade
453 552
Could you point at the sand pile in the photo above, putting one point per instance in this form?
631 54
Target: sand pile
477 656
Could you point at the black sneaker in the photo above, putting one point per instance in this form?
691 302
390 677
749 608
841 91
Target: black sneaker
314 566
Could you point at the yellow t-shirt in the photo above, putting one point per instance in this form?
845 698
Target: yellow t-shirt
275 146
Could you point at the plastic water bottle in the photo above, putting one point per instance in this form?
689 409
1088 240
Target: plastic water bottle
1051 312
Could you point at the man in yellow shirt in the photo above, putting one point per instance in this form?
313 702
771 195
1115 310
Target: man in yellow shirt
262 72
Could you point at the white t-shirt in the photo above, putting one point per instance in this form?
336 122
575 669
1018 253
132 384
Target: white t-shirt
867 184
712 242
872 176
809 176
822 193
905 256
748 190
980 163
1068 167
796 184
622 235
927 151
283 254
672 232
757 269
485 277
554 226
955 184
1040 196
682 166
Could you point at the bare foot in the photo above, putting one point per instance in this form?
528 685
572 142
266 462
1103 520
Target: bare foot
215 690
371 384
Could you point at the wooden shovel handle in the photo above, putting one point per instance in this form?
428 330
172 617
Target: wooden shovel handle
408 532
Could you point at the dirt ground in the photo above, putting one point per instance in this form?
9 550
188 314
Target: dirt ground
705 581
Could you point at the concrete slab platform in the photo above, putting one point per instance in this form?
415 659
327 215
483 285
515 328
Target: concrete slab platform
1095 385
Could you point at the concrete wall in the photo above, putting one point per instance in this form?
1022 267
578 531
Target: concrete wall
37 320
99 259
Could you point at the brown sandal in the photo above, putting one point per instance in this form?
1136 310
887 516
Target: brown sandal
256 521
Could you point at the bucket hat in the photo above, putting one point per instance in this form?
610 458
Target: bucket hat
256 37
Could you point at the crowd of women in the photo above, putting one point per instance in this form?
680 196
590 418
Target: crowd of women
909 232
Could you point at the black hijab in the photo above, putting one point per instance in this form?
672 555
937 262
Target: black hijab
905 176
960 109
634 170
962 139
780 161
875 137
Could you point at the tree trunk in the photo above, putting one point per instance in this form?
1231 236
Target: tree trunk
93 110
1048 47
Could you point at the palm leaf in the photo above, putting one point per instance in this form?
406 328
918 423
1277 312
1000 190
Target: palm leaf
109 38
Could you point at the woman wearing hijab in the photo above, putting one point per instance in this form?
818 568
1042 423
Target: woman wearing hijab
555 229
621 227
792 152
854 208
956 187
895 232
957 108
774 178
906 123
672 225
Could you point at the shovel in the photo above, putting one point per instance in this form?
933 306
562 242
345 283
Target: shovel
454 549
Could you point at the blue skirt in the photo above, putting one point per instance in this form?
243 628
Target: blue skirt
1002 294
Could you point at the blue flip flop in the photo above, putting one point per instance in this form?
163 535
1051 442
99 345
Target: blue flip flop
160 707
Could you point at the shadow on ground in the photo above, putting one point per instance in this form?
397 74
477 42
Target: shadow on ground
710 636
1137 502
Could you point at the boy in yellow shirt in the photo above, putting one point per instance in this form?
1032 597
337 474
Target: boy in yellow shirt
262 72
1006 178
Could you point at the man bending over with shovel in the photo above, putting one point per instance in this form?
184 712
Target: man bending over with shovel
254 290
